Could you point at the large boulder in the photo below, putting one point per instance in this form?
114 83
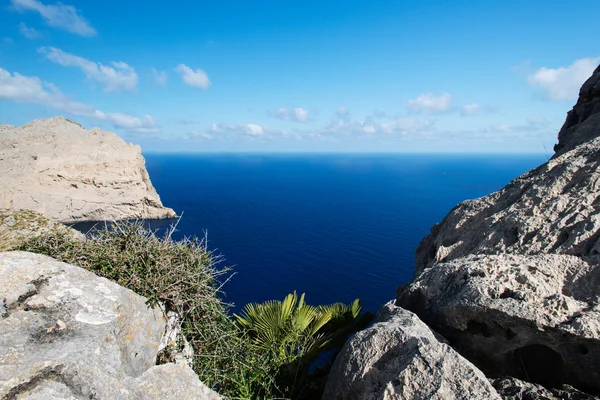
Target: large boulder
532 317
66 333
399 357
56 167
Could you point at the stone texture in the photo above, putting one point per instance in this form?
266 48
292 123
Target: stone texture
57 168
16 226
67 334
399 357
532 317
515 389
554 208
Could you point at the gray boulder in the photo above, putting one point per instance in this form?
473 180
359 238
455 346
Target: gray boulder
66 333
399 357
533 317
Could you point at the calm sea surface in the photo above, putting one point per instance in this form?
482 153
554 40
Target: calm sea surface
334 226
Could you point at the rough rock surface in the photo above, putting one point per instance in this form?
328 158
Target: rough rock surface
16 226
515 389
57 168
67 334
512 279
533 317
399 357
554 208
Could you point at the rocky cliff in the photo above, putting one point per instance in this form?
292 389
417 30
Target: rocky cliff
56 167
512 280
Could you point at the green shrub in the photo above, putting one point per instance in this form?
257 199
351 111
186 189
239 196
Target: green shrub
186 278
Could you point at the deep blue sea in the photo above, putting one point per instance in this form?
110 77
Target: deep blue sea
336 227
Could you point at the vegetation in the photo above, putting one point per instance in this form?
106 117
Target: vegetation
264 353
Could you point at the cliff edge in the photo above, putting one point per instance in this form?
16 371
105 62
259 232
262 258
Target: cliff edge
511 281
69 174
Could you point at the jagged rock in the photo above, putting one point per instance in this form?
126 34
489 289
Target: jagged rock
554 208
532 317
583 121
67 334
399 357
16 226
57 168
514 389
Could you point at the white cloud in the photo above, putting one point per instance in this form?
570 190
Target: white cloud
119 77
532 126
342 112
59 16
296 114
198 79
469 110
29 33
160 77
30 89
428 103
252 129
193 135
563 83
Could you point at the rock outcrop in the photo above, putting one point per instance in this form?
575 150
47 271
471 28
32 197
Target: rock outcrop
57 168
67 334
583 121
536 318
512 279
399 357
554 208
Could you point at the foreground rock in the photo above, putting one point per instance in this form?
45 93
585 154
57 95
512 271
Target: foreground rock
67 334
532 317
399 357
69 174
16 226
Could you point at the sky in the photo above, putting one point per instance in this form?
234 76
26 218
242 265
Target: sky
301 76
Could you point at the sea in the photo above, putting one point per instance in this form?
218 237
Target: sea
334 226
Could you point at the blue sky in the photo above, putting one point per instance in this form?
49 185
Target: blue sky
393 76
